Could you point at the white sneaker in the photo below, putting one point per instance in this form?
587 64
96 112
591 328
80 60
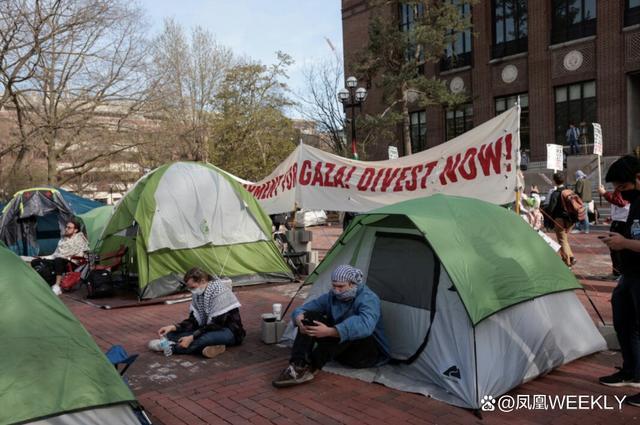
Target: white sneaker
56 289
155 345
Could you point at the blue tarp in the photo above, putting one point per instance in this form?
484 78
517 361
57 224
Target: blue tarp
48 232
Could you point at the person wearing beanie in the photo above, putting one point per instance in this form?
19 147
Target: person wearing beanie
583 190
624 174
344 324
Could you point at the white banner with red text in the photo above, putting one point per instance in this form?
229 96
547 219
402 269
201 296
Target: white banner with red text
481 163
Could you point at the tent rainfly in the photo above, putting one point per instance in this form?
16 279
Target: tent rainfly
188 214
52 372
474 302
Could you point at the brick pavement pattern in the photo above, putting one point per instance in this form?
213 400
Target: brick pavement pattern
235 387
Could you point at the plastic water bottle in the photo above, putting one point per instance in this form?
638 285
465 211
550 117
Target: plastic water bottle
166 347
635 229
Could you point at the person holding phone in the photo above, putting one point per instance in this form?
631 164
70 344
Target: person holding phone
625 298
344 324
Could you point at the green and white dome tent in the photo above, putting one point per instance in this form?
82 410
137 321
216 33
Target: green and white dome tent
187 214
473 301
52 372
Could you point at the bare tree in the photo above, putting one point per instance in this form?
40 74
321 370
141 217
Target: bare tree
86 75
318 102
188 71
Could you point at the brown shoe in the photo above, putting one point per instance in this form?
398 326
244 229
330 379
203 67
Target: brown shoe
293 375
213 350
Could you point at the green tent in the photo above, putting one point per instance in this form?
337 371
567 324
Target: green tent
95 222
51 367
474 302
188 214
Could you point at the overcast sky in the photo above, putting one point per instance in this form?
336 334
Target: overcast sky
258 28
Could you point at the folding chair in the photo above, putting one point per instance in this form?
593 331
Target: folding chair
294 259
120 359
114 261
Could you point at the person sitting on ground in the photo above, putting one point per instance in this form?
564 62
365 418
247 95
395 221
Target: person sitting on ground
344 324
71 246
214 319
562 223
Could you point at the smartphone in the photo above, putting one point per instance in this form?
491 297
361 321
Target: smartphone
308 322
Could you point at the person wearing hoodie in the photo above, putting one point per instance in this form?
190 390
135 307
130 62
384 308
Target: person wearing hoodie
583 190
344 325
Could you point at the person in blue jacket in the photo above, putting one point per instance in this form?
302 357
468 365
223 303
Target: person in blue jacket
344 325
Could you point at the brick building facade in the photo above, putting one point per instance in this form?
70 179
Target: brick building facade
567 60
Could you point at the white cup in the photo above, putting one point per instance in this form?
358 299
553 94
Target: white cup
277 310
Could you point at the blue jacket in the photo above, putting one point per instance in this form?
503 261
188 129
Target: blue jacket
355 319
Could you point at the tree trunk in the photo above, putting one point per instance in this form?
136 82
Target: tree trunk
406 130
52 161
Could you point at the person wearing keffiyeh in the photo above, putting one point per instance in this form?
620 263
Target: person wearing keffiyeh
344 325
214 319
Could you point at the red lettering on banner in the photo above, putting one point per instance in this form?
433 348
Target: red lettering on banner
403 175
338 179
327 177
389 176
470 172
450 170
365 179
317 175
377 179
507 142
305 173
489 157
412 184
429 168
349 177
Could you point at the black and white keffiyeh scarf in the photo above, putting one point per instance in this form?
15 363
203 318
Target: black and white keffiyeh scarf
216 300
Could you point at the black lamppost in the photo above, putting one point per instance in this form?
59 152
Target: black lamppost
350 98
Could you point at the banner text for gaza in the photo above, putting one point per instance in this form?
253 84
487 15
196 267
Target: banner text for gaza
467 165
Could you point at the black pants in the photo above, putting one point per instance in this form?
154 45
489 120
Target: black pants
316 352
59 265
616 256
625 304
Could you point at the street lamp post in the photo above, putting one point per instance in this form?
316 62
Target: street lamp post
351 97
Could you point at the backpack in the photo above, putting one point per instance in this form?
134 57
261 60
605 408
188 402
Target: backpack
99 284
573 205
45 270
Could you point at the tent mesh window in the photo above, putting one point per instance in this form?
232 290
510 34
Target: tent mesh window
401 269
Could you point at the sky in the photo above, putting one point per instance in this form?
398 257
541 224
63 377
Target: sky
259 28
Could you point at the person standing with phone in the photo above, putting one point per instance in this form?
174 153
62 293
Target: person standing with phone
344 324
625 299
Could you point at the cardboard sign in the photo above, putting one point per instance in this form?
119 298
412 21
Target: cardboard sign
597 139
393 152
555 157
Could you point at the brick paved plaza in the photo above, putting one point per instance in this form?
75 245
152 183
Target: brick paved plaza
235 388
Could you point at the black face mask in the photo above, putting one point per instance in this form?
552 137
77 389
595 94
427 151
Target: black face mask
629 195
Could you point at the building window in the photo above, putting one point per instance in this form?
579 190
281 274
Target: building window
573 19
576 104
632 12
408 14
510 27
458 120
458 53
418 128
504 103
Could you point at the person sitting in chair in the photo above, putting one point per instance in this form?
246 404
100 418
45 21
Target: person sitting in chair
344 324
213 323
73 244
